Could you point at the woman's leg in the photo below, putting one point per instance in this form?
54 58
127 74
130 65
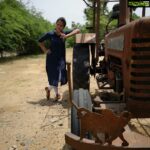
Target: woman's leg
49 88
56 92
56 88
47 93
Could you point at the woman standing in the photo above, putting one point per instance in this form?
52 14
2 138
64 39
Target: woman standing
56 59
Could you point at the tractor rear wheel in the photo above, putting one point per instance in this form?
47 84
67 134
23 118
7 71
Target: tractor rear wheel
81 73
81 98
81 66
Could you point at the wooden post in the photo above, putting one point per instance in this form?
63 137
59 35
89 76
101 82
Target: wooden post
69 83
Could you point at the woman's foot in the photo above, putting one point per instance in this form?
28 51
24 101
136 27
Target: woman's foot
58 96
47 93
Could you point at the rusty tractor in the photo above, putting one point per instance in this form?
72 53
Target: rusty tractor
120 63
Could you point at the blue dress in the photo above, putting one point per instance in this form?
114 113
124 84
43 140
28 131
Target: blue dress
56 60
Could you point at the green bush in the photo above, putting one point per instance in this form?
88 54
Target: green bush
20 28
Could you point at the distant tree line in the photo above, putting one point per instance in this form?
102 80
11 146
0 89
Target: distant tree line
20 28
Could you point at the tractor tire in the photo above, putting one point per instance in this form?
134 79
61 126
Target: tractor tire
81 98
81 66
75 125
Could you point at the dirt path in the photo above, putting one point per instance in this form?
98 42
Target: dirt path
27 120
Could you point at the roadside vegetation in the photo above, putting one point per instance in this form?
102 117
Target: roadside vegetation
20 27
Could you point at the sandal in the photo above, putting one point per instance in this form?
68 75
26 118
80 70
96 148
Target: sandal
47 93
58 96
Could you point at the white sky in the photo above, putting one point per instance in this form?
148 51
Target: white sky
72 10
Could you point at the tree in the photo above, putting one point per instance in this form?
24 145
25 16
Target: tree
20 28
103 18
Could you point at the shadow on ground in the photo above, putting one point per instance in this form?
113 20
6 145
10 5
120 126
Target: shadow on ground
66 147
44 102
145 127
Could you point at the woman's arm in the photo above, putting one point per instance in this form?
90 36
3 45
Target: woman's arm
42 44
74 32
44 49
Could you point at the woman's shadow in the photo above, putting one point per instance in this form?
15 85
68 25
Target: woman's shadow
52 101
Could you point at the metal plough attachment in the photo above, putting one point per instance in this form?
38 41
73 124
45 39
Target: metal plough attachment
105 123
86 144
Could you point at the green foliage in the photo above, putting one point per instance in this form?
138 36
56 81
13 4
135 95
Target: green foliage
134 16
20 28
104 18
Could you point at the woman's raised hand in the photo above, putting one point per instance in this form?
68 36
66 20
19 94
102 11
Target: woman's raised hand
63 36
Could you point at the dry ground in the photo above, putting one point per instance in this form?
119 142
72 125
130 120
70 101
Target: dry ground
27 120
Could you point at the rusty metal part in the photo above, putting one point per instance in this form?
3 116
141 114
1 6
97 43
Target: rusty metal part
85 144
69 83
99 123
85 38
103 82
128 50
124 13
81 98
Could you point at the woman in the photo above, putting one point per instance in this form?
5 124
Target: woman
55 59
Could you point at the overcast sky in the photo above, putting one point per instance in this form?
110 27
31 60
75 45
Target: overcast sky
72 10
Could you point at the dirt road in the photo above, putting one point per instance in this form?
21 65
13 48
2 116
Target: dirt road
27 120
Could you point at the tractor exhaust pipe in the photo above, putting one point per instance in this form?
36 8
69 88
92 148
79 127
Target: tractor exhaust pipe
124 16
